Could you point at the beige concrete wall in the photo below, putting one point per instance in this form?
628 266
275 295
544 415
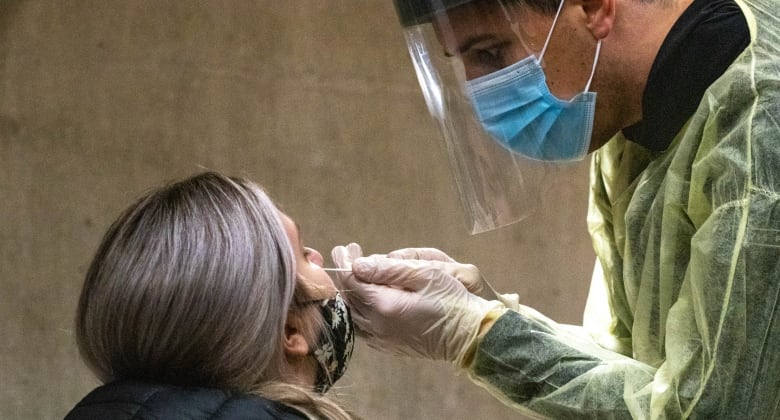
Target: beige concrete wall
314 99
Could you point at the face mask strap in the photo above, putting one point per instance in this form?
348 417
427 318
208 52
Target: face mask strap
547 42
549 34
595 61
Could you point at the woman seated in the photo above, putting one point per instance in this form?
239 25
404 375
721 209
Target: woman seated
203 303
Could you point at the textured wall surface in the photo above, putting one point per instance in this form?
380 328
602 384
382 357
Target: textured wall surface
314 99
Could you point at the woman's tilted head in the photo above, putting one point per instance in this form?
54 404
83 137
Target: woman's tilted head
191 285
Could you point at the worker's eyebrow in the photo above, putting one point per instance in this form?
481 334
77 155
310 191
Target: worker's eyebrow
468 43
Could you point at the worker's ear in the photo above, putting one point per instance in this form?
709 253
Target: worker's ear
600 15
295 345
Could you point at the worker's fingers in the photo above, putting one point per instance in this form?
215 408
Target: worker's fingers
343 256
432 254
467 274
375 306
409 275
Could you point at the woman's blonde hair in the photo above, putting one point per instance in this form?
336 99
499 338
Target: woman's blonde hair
191 285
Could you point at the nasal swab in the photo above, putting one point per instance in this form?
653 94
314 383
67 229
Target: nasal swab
339 270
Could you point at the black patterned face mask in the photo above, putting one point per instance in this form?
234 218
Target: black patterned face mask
334 347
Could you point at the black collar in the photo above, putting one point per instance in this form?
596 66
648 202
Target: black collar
704 41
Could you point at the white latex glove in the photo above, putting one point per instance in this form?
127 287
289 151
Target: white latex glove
468 274
342 257
412 307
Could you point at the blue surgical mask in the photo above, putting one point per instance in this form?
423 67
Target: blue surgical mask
517 109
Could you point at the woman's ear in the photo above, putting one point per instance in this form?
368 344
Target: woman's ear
295 344
600 15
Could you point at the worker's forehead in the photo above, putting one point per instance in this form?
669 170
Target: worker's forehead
479 15
473 21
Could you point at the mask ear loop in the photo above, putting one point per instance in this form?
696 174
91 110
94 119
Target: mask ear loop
549 34
547 42
595 62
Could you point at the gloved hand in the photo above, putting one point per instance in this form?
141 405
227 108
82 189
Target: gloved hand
342 257
411 307
468 274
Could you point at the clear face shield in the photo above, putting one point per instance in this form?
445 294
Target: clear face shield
480 77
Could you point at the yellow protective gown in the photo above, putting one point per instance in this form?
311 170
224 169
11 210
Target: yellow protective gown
689 243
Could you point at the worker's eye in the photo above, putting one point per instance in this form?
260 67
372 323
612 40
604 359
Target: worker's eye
489 56
483 60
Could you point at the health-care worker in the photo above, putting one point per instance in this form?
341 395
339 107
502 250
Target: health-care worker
679 103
